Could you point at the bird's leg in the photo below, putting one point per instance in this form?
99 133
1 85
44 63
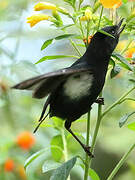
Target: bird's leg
86 148
100 101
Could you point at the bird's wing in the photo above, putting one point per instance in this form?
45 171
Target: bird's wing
46 83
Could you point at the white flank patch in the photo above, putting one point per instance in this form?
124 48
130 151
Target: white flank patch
76 87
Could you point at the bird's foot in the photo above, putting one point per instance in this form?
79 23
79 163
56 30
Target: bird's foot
87 150
100 101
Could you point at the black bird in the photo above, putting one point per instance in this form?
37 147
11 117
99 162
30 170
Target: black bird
71 91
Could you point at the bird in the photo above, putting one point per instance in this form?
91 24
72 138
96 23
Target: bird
71 91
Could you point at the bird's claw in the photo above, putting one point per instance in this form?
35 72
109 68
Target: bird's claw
100 101
87 150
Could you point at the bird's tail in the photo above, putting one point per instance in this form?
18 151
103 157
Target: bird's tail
42 118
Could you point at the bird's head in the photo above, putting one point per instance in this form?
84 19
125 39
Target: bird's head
106 42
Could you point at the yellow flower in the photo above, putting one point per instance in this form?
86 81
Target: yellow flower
44 5
88 14
111 3
34 19
83 18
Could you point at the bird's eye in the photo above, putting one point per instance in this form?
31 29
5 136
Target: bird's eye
113 31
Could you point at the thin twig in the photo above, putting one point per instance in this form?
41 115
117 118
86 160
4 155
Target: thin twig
121 162
87 159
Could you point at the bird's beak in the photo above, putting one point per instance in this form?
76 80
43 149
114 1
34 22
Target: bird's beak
119 30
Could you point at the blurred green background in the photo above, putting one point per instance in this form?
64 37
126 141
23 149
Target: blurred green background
19 51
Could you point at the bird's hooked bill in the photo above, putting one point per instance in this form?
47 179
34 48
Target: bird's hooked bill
119 30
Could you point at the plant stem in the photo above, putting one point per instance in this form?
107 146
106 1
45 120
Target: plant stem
81 29
100 18
82 32
64 144
97 126
117 102
6 52
80 2
127 46
99 108
87 159
88 30
94 2
65 152
75 47
121 162
127 99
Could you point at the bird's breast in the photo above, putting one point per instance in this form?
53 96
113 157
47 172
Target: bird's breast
78 85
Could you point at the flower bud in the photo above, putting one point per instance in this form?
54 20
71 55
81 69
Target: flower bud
88 14
83 18
62 10
44 5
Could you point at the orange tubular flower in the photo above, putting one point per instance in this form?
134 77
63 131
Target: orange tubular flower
111 3
3 86
21 172
89 40
129 53
9 165
34 19
25 140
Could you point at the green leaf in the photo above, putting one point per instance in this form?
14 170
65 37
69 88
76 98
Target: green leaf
132 80
124 62
77 134
81 45
63 171
125 1
107 34
55 57
112 62
57 147
35 156
124 119
129 18
58 123
108 21
116 70
66 26
46 43
131 126
93 175
96 6
50 165
131 165
64 36
71 2
50 41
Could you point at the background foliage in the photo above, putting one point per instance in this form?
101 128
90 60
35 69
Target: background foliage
19 51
